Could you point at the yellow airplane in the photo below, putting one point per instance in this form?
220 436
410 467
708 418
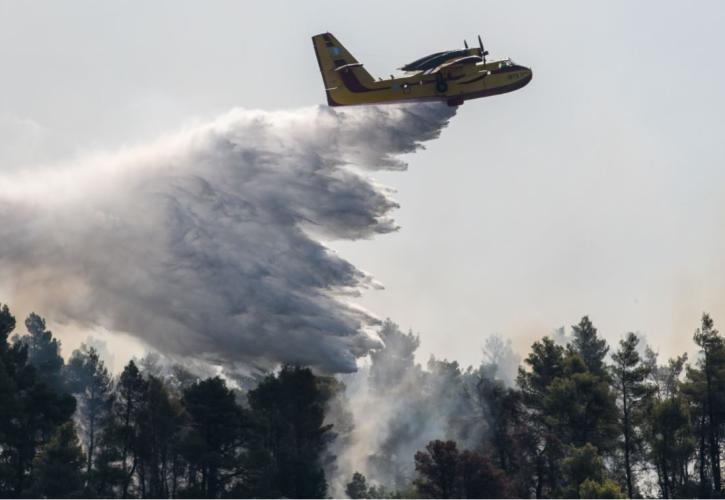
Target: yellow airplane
453 76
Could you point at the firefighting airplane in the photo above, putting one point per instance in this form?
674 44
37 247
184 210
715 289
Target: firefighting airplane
453 76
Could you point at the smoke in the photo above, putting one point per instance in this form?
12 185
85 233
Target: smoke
209 244
501 360
398 406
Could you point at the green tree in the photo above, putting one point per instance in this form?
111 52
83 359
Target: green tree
581 407
118 461
569 403
291 406
581 464
694 390
544 364
712 389
30 411
671 444
509 436
629 379
216 437
58 470
667 427
665 380
604 489
161 421
592 348
89 380
357 487
43 351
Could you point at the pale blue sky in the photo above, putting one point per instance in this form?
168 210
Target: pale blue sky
597 189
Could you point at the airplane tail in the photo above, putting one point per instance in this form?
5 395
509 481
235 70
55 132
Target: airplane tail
341 73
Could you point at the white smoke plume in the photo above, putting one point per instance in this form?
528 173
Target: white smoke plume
393 407
209 243
397 407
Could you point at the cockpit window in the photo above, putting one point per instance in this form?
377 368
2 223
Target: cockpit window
506 64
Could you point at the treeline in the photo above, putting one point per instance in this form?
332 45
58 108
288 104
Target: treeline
148 436
583 422
580 421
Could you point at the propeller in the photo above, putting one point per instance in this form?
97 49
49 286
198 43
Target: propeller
484 53
465 43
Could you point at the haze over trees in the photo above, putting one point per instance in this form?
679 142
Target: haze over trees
579 419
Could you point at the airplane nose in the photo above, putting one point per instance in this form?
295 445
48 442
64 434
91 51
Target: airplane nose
529 75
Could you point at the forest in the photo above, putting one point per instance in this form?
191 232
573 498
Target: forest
576 418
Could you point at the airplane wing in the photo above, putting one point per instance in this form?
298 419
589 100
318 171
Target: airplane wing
451 63
429 62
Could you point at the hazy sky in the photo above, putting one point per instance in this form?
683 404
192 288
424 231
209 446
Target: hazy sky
597 189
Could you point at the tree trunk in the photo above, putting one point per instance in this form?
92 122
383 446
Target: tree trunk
539 476
627 441
91 441
714 444
702 451
665 468
127 445
665 482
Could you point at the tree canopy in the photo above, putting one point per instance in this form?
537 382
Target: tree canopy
579 421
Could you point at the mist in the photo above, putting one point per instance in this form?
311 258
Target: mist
209 244
393 406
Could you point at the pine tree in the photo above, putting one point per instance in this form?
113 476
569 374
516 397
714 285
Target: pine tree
291 405
694 390
390 365
445 472
30 411
120 458
479 478
569 404
581 464
160 425
58 471
508 435
581 407
629 377
667 427
592 349
357 487
604 489
215 439
709 384
90 381
544 364
43 351
672 445
437 469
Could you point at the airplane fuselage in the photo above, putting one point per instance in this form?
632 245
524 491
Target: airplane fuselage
453 86
347 83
